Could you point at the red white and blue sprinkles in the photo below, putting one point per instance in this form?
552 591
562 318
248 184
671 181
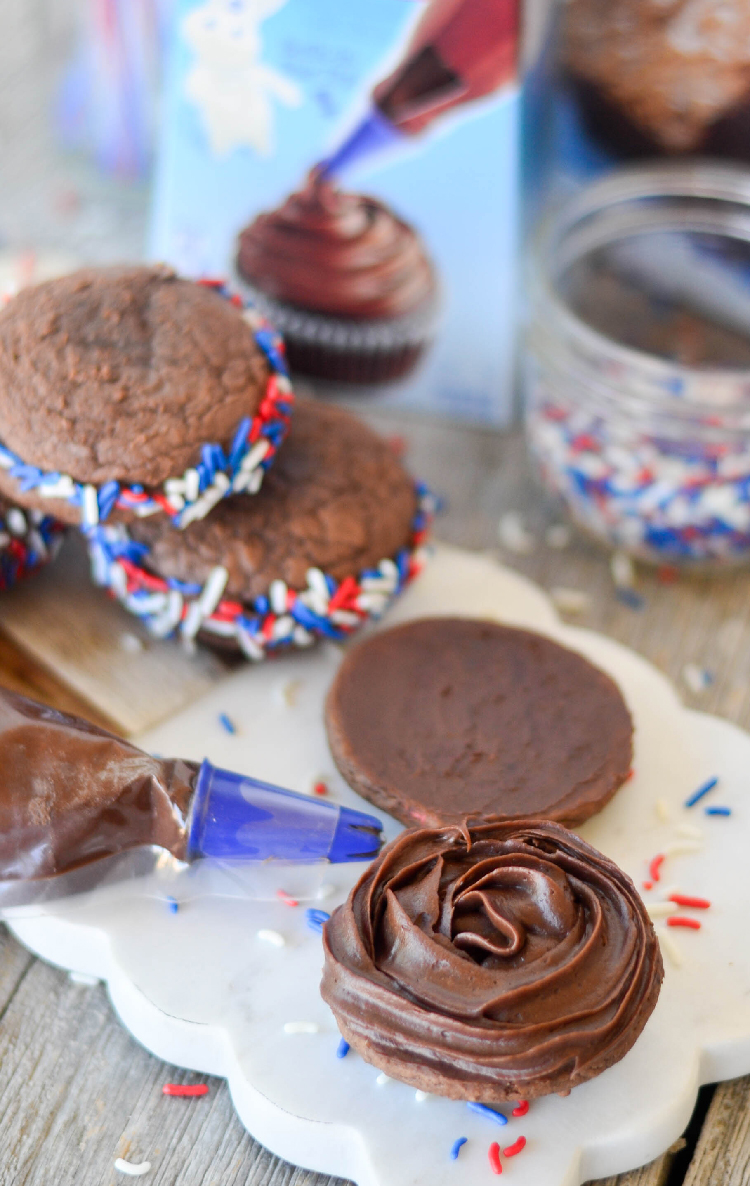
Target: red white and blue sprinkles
28 539
285 617
215 476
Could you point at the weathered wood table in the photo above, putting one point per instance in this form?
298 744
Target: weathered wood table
75 1090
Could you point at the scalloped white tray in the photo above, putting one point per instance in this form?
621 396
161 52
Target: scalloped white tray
200 989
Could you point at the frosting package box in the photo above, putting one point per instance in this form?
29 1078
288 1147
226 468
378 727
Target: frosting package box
352 166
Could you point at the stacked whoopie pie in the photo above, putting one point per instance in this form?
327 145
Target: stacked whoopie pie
147 409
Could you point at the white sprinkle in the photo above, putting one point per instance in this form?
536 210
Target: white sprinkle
696 678
317 583
272 937
286 693
326 890
670 947
250 648
64 487
192 485
679 847
557 536
661 807
277 596
382 1079
513 535
302 637
301 1027
83 978
690 830
283 627
135 1169
131 643
660 909
90 506
569 601
253 459
212 590
16 521
421 1096
623 573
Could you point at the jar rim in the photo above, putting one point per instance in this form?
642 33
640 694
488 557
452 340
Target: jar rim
664 379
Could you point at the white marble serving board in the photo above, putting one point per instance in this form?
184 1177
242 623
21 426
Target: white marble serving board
201 989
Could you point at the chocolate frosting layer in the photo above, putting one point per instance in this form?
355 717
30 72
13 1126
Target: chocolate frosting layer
71 793
447 717
337 253
496 961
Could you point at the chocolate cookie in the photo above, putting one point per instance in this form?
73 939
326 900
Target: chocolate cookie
444 718
348 282
324 544
495 961
28 539
113 380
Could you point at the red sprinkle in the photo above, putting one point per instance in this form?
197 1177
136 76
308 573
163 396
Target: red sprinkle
677 920
286 898
184 1089
667 575
655 866
691 903
320 788
516 1147
494 1156
521 1108
648 885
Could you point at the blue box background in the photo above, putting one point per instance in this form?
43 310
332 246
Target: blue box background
457 183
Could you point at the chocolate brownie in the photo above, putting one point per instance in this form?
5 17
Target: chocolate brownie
122 374
493 961
337 499
444 718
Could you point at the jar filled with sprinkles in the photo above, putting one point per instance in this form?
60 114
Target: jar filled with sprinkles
637 362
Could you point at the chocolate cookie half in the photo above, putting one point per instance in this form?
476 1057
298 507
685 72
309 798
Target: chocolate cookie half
323 546
489 962
444 718
128 389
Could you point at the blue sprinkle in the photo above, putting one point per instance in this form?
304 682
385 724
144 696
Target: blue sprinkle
630 598
490 1113
262 605
173 905
343 1049
227 723
702 790
456 1147
718 810
315 919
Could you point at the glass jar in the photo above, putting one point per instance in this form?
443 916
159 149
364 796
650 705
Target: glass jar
637 361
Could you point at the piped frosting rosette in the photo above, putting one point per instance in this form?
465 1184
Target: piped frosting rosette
492 961
28 540
218 470
333 535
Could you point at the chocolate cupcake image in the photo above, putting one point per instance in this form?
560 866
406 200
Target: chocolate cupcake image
495 961
655 79
330 538
443 718
348 283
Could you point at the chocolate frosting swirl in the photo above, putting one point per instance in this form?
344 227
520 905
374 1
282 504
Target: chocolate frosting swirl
502 960
336 253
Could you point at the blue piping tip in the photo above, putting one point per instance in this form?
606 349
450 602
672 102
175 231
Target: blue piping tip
371 136
358 837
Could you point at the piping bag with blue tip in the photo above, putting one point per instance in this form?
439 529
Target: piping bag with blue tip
459 51
80 806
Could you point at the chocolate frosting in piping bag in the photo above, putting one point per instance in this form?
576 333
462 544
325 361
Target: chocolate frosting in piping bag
494 961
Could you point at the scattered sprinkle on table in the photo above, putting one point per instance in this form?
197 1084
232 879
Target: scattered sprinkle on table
421 1096
718 810
679 920
134 1168
342 1049
272 937
515 1148
690 830
457 1146
494 1156
173 905
661 807
690 903
490 1113
678 848
382 1079
188 1090
301 1027
670 947
513 535
521 1108
654 868
623 572
660 909
569 601
320 787
316 918
83 978
696 678
630 598
227 723
703 789
286 898
325 891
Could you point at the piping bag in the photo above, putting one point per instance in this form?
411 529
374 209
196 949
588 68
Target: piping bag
459 51
81 807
